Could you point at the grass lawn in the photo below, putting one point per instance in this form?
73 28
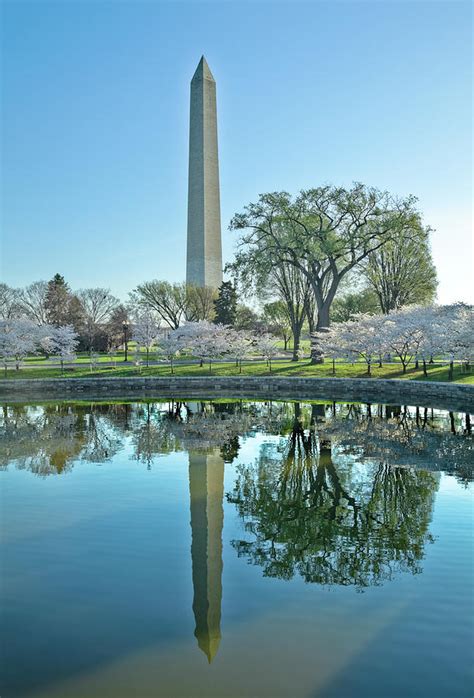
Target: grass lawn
305 345
436 372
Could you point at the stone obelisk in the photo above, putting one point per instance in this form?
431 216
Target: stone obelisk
204 249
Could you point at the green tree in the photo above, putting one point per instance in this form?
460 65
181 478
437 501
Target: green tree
261 275
276 315
402 272
58 296
63 307
168 300
200 303
324 232
346 306
75 315
225 305
246 318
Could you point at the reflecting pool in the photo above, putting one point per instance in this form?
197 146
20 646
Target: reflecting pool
235 549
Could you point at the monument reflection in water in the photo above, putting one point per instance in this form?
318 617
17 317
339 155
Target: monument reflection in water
206 487
324 499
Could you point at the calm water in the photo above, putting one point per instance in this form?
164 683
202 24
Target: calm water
236 549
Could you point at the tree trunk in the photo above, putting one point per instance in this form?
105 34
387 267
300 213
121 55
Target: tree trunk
452 422
323 324
425 372
296 343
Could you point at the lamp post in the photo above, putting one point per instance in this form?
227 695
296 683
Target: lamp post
125 338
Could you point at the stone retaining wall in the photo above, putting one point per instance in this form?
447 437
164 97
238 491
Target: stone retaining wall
428 394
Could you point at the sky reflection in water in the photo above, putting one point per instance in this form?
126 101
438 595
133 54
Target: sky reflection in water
113 577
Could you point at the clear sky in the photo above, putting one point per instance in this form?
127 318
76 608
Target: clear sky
96 108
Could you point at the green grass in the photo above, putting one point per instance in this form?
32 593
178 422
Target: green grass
305 345
436 372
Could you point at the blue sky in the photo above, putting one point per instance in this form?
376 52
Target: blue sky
96 108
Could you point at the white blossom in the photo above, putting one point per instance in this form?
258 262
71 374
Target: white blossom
63 342
170 347
268 347
145 331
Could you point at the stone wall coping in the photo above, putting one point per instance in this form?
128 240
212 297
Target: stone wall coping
453 396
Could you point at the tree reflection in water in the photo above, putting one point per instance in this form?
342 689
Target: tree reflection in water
52 438
346 523
325 498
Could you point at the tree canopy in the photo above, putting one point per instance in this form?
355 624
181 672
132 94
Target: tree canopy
402 271
324 232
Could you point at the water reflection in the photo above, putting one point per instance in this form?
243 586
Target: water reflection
206 487
308 510
336 494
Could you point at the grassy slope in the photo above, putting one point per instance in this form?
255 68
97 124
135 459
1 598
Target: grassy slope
280 368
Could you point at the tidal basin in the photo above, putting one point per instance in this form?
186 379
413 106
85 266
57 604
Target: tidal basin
235 548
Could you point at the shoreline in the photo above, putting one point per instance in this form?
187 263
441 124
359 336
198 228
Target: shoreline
453 396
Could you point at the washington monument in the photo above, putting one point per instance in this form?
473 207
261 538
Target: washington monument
204 250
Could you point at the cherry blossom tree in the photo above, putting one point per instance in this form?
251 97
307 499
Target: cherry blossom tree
268 347
18 338
93 361
456 324
404 334
205 340
63 343
411 333
170 347
428 320
335 343
240 344
210 343
145 332
137 358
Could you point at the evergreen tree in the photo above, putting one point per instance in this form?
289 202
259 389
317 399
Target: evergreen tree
63 307
57 301
225 305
